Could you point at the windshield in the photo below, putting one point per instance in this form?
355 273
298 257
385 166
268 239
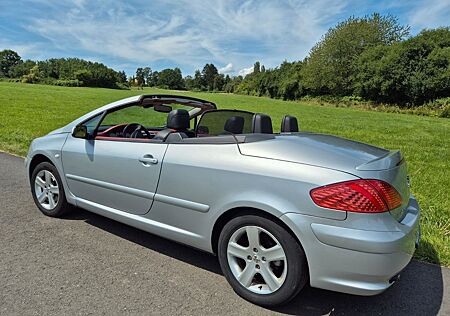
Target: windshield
223 122
148 117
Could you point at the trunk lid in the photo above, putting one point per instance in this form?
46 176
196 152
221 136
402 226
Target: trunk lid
327 151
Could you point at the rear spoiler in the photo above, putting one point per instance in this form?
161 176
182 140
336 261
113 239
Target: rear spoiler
392 159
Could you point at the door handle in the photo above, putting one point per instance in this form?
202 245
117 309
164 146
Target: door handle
148 159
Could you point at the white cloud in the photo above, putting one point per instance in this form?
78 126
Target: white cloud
430 14
187 32
245 71
29 50
227 69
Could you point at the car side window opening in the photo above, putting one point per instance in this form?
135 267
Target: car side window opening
223 122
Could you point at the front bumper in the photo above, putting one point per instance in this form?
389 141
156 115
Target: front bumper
349 256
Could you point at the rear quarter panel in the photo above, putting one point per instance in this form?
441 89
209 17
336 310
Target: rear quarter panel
219 178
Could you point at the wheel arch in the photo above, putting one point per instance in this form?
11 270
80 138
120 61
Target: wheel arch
36 160
228 215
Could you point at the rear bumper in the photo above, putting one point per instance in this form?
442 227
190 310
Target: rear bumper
346 256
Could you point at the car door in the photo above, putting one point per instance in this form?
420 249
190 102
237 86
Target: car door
116 174
113 172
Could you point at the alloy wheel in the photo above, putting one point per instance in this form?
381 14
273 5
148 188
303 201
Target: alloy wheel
257 259
46 189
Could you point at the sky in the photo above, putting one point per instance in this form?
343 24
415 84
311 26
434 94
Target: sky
188 34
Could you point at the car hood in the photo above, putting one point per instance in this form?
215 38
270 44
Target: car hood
324 151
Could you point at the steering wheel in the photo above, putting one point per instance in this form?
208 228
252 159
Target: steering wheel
134 130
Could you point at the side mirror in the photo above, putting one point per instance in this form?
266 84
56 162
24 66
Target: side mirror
80 131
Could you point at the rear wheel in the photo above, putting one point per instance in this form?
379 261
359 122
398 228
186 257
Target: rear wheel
261 260
48 191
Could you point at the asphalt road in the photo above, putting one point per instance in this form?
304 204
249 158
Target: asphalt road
86 264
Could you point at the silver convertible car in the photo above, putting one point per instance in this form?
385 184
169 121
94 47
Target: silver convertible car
278 209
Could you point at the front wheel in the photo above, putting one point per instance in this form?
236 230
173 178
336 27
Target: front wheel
48 191
262 261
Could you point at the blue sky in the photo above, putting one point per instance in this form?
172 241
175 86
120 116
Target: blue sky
189 33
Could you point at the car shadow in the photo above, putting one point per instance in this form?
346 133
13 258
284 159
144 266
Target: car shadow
164 246
419 291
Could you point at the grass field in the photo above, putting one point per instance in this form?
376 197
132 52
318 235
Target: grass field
29 111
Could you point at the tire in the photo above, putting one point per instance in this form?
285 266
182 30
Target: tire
52 187
291 272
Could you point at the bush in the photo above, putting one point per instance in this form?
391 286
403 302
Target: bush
68 83
33 76
441 103
445 112
123 86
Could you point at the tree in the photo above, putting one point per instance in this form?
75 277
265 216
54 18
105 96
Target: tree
219 82
147 74
231 86
8 59
282 82
209 73
189 82
198 83
85 76
171 79
122 77
227 80
257 68
410 72
140 78
21 69
154 79
330 67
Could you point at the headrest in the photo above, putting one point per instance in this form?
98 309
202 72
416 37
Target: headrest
261 123
178 119
289 124
234 125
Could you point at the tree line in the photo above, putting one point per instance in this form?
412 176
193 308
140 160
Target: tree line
60 71
208 79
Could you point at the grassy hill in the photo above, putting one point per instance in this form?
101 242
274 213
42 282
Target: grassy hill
29 111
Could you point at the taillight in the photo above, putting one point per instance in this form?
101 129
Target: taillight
363 196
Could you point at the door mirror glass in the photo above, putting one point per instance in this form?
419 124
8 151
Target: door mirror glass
80 131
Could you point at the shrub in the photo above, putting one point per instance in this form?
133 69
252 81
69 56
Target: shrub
68 83
33 76
445 112
122 86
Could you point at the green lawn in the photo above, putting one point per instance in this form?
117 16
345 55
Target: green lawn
29 111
